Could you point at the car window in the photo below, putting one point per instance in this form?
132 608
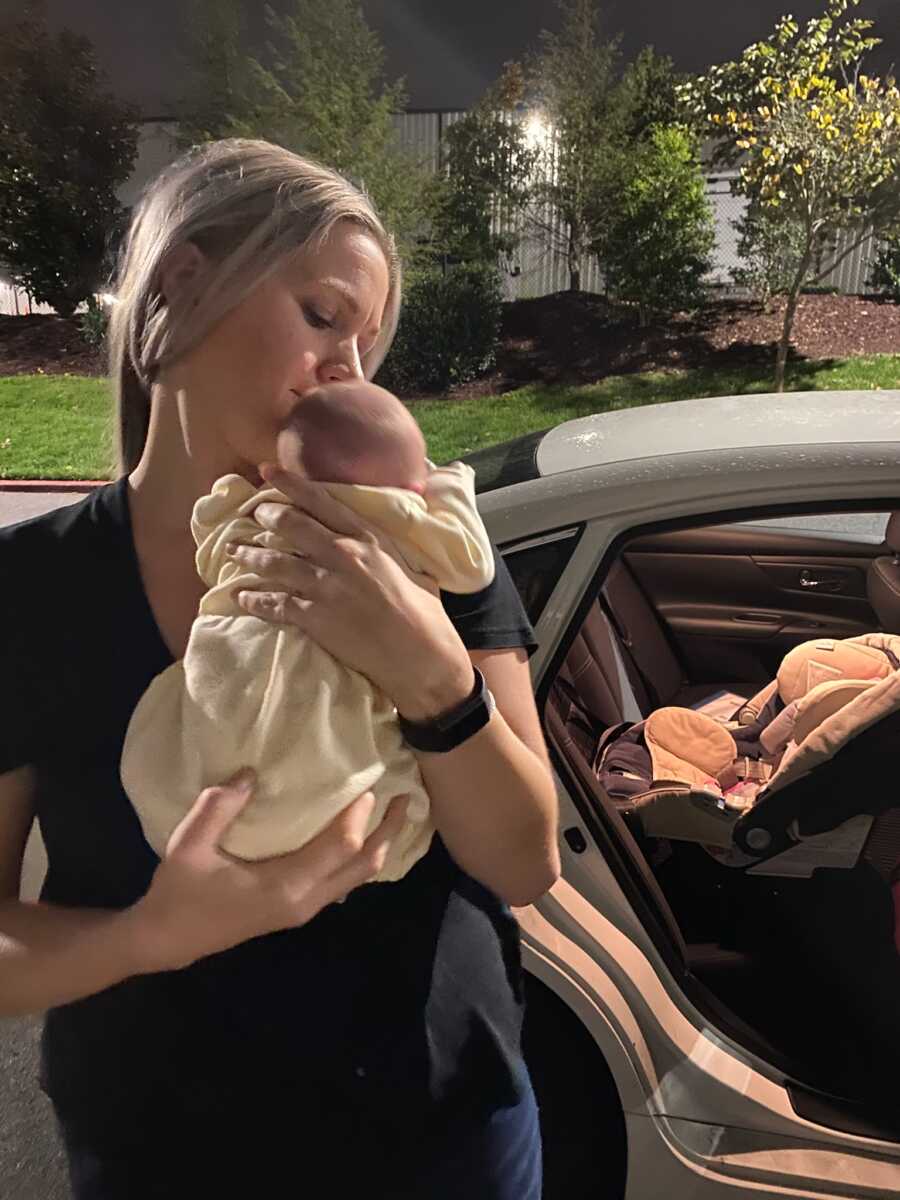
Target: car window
863 527
536 565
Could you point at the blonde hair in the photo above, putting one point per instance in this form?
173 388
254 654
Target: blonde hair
248 205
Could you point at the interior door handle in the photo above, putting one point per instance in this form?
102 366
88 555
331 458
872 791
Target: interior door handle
809 581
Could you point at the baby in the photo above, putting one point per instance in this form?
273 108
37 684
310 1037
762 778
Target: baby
252 693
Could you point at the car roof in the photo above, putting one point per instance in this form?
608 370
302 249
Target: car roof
721 424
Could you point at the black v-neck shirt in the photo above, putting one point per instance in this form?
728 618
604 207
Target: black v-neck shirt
402 1005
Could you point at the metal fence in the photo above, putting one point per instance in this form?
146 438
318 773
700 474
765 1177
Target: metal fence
539 266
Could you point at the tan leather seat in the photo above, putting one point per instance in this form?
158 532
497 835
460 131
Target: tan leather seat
883 580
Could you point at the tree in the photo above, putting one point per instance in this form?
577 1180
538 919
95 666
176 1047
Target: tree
218 100
573 78
317 87
657 241
479 198
647 96
66 144
815 138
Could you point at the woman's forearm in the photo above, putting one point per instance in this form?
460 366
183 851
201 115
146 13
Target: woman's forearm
494 804
51 955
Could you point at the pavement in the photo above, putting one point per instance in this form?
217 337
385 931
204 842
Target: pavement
32 1165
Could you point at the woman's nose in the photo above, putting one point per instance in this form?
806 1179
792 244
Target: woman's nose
343 366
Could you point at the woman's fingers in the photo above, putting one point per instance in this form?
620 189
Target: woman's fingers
315 500
281 571
212 813
338 859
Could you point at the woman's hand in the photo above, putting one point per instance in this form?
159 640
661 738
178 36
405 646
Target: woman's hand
203 900
350 596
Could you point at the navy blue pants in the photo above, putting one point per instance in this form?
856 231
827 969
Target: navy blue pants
496 1159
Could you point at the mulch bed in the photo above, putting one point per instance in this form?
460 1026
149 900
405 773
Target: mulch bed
576 338
29 345
571 338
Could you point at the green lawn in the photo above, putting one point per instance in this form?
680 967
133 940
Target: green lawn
57 426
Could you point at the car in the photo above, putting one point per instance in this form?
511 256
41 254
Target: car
696 1029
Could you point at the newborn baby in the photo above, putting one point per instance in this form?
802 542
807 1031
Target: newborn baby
251 693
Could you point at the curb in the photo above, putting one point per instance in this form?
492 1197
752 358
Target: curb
51 485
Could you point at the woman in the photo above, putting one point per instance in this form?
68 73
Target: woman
215 1025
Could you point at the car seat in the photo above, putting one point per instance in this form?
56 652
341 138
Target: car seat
792 782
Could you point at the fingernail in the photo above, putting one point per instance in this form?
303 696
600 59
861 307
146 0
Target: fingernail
230 547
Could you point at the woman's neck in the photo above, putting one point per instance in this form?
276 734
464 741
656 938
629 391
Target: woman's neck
172 473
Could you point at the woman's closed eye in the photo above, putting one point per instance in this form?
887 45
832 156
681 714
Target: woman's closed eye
315 319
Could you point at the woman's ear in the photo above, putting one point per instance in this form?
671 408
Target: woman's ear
179 270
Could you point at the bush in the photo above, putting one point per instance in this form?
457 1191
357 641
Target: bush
449 330
93 322
657 233
886 269
771 245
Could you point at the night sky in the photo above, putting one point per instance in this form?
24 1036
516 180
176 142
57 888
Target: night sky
448 50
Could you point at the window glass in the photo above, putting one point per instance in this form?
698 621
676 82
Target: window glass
536 566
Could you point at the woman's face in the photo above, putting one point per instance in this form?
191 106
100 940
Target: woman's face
308 324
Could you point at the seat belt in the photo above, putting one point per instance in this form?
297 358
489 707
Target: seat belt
632 656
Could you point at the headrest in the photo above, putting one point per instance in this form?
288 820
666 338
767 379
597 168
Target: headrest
892 533
826 660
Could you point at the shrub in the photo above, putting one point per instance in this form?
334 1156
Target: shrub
93 322
656 236
448 332
886 269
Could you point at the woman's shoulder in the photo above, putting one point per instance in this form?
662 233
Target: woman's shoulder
74 524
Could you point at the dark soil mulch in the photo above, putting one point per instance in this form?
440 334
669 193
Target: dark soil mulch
45 343
576 338
571 337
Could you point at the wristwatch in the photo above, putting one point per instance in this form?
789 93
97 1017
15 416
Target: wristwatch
452 728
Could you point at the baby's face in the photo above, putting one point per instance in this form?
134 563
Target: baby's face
354 433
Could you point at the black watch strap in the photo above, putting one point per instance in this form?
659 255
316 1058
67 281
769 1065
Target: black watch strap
452 728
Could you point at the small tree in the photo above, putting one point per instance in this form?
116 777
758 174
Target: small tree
479 199
646 96
657 238
66 144
317 88
218 101
886 268
573 79
770 245
814 137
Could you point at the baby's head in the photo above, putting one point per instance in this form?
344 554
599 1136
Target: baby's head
354 432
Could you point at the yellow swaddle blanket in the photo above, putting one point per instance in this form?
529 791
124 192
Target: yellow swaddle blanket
250 693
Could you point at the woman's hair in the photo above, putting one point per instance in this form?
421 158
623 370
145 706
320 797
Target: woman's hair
248 206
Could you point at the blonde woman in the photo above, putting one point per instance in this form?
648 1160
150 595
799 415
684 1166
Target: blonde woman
215 1026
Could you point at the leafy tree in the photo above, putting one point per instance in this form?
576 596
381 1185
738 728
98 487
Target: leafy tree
886 268
318 88
218 102
573 80
770 245
813 136
66 144
479 199
657 241
647 96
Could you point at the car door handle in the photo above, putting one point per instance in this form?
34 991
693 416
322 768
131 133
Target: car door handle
809 581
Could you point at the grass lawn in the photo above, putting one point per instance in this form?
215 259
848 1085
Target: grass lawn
57 426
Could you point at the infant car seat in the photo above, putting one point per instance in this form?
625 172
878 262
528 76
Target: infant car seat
792 782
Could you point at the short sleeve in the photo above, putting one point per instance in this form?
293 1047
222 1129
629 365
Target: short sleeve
493 618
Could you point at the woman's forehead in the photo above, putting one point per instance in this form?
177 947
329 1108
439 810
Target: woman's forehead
348 256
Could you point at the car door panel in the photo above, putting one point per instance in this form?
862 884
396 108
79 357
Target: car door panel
736 600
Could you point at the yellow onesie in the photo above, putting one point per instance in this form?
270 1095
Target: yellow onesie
250 693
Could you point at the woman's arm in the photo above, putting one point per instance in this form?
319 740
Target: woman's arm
493 798
200 900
